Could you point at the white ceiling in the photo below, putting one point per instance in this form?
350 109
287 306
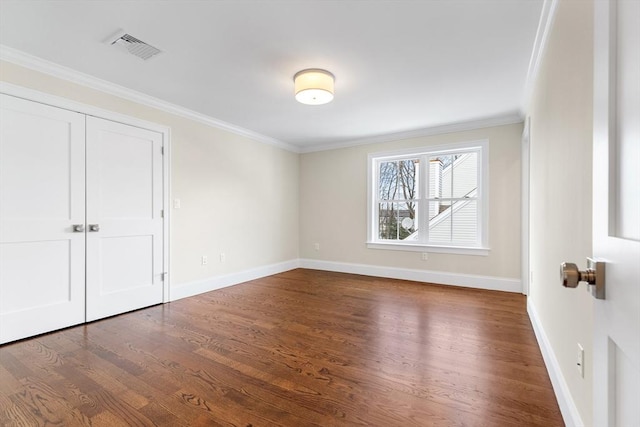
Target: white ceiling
399 65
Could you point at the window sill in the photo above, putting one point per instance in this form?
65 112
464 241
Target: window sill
413 247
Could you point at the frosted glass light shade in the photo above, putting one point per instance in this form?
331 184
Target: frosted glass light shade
314 86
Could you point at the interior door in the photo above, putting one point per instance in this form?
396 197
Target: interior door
616 212
42 198
124 218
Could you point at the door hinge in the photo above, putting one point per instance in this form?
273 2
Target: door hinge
162 150
164 276
161 213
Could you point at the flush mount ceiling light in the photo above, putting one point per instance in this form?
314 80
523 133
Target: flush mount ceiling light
314 86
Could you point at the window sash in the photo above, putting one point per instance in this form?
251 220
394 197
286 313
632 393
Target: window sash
423 199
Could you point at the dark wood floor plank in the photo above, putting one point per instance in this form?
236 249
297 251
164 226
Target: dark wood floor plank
300 348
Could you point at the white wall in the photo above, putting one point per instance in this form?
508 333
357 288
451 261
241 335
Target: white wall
560 208
237 196
333 207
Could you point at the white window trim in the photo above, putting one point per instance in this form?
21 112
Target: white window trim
482 248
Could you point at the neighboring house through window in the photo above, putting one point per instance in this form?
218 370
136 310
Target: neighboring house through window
430 199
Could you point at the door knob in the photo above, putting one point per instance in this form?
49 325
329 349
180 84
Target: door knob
571 276
78 228
94 227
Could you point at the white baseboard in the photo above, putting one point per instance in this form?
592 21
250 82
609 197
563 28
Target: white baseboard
440 277
189 289
568 407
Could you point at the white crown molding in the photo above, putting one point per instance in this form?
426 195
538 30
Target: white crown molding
567 406
547 16
38 64
440 277
79 107
50 68
501 120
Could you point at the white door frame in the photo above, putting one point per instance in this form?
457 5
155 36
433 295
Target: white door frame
525 194
67 104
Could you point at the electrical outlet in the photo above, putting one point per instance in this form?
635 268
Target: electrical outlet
580 360
223 257
205 260
316 246
176 204
425 256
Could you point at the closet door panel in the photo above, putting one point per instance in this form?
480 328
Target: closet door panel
42 196
124 199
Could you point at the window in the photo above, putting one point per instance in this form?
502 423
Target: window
430 199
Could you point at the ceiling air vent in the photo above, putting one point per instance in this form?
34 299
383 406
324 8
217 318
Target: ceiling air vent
134 46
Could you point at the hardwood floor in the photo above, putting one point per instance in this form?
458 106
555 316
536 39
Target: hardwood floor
300 348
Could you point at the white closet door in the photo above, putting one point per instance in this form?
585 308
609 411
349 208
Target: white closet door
42 197
124 199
